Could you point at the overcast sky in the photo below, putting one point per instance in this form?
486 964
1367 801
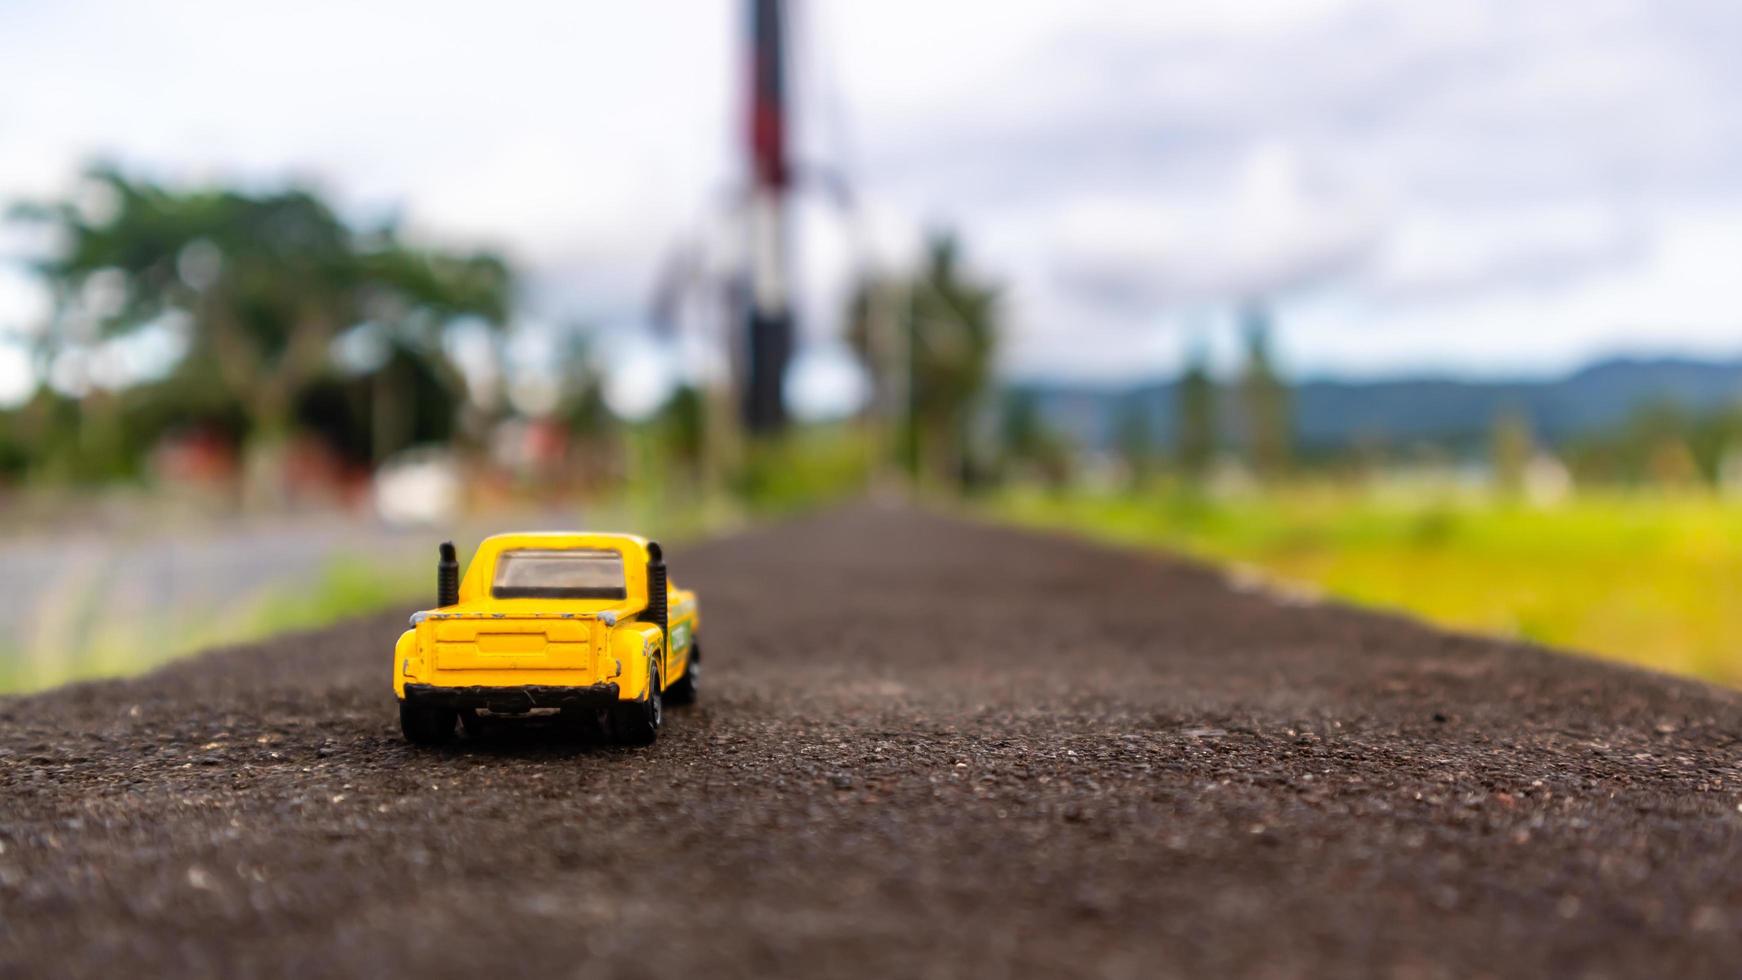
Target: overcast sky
1486 186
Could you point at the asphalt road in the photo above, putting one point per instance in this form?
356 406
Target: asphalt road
924 748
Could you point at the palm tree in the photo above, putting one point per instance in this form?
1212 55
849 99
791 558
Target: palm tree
1195 418
1265 399
948 332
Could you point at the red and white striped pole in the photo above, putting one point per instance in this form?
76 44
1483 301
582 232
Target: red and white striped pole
770 322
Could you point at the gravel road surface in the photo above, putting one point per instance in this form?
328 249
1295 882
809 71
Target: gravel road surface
924 748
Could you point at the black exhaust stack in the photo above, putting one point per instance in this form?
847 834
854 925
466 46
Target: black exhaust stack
447 576
656 610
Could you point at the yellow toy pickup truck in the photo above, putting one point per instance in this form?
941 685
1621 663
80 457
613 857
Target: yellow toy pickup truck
586 624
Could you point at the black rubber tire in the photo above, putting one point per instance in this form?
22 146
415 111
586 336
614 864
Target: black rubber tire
637 722
472 723
427 725
585 724
684 689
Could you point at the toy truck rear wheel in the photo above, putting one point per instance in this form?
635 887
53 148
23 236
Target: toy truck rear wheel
472 723
427 724
637 722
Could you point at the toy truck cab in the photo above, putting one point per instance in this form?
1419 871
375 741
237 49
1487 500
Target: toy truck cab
586 624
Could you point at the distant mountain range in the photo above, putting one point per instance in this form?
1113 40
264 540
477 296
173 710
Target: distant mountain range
1331 413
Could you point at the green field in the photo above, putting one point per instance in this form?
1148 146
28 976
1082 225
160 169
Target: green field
1649 578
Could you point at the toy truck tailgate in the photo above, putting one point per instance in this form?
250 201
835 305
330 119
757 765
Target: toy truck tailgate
508 643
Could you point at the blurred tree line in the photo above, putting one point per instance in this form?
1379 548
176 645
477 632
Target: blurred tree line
1241 432
269 319
254 293
1664 444
273 325
928 342
1258 417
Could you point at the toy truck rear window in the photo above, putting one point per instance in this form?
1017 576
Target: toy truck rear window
564 574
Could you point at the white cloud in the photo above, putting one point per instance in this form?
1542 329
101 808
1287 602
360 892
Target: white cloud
1680 294
826 383
1264 234
1432 256
17 379
1418 182
640 377
24 302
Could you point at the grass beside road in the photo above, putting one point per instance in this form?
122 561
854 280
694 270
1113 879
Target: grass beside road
348 586
1648 578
